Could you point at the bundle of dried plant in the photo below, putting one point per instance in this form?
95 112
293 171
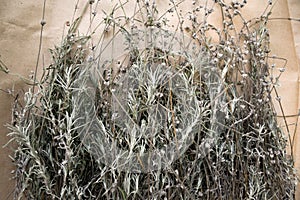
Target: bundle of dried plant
175 117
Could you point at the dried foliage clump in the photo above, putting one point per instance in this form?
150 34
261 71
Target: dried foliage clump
209 101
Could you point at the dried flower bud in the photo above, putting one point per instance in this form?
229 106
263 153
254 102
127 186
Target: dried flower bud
43 22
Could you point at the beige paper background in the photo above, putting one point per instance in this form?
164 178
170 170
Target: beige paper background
19 39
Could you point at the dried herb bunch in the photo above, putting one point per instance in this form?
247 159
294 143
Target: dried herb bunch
177 116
